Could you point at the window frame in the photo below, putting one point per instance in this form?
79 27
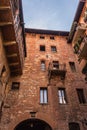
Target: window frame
42 48
53 49
43 65
72 66
52 38
55 64
74 126
42 37
62 96
81 96
15 86
43 99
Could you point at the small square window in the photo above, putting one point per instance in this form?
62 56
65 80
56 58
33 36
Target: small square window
81 96
72 66
42 48
43 96
42 37
62 96
43 66
15 85
52 38
53 49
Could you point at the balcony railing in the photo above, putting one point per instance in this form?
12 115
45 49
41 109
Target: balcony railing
85 16
83 49
56 70
80 32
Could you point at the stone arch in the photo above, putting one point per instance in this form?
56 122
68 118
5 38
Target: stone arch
33 124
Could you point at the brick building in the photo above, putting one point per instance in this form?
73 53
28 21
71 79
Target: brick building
50 91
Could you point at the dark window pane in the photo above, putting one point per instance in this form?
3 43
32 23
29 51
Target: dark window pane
74 126
72 66
42 48
15 85
53 49
52 37
56 64
81 95
42 37
84 71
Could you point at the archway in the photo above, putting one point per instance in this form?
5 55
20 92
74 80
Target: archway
33 124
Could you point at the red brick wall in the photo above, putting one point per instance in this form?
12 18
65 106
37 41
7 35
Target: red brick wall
26 99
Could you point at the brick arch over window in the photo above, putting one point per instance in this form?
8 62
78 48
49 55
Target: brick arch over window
74 126
33 124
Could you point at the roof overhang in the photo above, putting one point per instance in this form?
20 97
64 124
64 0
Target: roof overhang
48 32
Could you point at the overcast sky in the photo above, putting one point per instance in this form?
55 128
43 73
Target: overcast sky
49 14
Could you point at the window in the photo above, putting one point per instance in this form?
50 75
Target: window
3 70
55 64
42 48
43 66
72 66
52 37
53 49
85 16
84 71
81 96
62 96
43 95
74 126
15 85
42 37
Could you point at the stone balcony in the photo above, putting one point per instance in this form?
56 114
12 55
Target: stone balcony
56 69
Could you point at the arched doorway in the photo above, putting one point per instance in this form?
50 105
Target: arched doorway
33 124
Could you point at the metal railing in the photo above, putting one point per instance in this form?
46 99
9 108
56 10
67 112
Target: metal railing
60 67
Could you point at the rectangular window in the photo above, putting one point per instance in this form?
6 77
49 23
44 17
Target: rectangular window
72 66
3 70
42 37
43 66
81 96
53 49
15 85
62 96
84 70
42 48
52 38
43 95
55 64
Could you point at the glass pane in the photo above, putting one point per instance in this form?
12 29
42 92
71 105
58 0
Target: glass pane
41 96
45 96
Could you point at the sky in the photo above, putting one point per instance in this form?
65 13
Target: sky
49 14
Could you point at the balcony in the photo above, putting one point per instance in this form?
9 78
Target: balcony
77 45
80 32
85 16
13 34
83 49
56 69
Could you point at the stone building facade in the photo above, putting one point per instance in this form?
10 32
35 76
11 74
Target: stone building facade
51 91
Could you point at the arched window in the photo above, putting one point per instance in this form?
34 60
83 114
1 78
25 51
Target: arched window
74 126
